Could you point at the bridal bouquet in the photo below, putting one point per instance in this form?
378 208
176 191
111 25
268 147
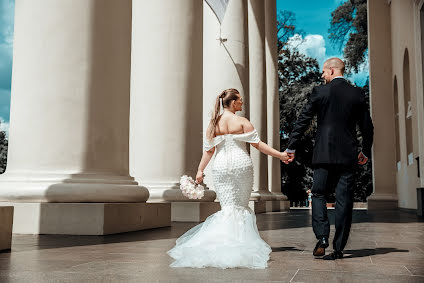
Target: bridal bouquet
190 188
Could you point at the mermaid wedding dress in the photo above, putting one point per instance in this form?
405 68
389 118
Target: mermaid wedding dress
228 238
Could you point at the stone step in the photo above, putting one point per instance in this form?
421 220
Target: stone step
6 223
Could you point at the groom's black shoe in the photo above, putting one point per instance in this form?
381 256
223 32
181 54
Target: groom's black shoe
334 255
320 246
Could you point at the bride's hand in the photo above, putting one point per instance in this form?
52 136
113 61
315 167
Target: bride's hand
285 157
199 177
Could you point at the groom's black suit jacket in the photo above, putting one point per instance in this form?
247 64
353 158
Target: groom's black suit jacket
339 107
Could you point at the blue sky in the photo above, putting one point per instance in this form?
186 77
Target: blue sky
313 17
6 37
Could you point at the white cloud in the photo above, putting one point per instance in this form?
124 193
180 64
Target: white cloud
7 13
313 45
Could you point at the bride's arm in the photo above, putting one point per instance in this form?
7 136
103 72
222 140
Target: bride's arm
263 147
206 157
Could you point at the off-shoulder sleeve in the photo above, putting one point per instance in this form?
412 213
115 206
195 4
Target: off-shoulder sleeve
208 145
250 137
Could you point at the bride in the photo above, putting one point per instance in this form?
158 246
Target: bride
229 238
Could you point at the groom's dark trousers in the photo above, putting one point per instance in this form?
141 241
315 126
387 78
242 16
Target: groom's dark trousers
339 108
328 178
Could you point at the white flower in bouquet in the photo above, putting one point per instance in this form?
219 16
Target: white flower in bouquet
190 189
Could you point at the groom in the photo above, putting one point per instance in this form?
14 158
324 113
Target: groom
339 107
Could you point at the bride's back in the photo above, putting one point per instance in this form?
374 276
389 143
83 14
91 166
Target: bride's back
229 123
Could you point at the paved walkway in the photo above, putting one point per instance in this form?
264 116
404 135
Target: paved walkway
384 246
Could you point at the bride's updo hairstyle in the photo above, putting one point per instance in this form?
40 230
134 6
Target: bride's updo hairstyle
225 99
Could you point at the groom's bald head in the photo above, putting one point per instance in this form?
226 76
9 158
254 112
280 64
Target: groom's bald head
332 68
335 63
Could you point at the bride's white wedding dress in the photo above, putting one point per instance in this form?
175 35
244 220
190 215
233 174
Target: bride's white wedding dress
228 238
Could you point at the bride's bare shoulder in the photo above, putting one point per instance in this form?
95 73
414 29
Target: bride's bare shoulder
247 126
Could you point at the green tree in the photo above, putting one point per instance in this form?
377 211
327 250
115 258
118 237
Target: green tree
349 30
298 74
3 151
286 28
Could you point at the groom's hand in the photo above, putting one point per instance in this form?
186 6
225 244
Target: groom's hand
291 157
362 159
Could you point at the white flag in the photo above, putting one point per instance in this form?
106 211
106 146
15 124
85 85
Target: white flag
218 7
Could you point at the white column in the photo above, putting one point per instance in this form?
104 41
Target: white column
166 96
273 104
258 94
225 64
70 104
382 106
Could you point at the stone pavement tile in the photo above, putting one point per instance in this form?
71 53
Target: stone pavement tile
407 245
37 265
355 243
376 250
416 269
308 261
371 268
42 277
342 265
53 276
291 263
332 276
398 258
402 246
237 274
115 268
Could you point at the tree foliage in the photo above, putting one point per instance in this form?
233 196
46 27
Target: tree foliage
298 74
286 27
349 29
3 151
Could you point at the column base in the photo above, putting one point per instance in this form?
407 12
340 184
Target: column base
420 201
193 211
261 195
279 196
73 188
88 218
6 224
269 206
382 202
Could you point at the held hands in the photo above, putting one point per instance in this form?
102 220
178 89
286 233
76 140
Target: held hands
362 159
287 157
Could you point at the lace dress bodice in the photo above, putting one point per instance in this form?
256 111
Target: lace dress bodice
232 169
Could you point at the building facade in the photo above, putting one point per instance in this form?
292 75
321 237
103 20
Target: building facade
396 86
111 99
110 102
